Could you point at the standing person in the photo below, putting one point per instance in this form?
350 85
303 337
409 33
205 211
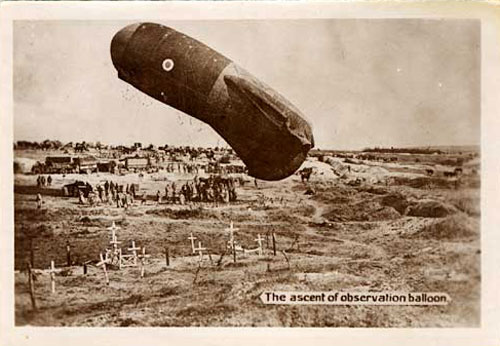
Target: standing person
81 198
132 190
42 180
118 199
113 191
39 181
173 193
49 180
99 191
158 197
167 193
39 201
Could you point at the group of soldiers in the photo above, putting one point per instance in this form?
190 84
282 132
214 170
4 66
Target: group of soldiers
41 181
214 189
110 192
181 167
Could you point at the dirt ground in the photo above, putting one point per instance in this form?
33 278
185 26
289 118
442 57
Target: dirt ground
390 230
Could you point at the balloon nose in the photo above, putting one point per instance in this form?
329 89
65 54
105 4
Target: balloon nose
120 42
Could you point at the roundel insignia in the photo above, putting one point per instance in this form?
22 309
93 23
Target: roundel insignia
167 65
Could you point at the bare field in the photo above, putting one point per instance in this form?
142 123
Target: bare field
387 231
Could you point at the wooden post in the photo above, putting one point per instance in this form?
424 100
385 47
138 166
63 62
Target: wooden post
52 277
120 258
274 244
84 268
31 287
234 251
32 254
68 254
286 258
167 257
267 240
259 241
142 261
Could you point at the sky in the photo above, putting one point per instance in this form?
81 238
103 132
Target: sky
359 82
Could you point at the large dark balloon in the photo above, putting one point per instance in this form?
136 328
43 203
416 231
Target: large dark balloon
266 131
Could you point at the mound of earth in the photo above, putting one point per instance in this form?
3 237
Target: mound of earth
452 227
321 170
356 169
367 210
338 167
176 214
423 182
431 208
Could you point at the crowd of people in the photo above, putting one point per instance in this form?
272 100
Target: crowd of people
110 192
182 167
216 189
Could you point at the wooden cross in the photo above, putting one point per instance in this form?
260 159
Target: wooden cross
134 251
103 263
143 258
113 229
192 241
231 229
200 250
259 240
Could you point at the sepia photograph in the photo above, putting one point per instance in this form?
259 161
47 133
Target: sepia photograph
247 172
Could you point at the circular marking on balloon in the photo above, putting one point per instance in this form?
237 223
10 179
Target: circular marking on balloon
167 65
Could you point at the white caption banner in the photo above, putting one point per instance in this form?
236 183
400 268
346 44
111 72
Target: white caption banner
355 298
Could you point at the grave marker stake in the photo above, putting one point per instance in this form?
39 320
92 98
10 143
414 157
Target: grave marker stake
259 241
274 245
142 261
234 252
167 257
68 254
32 254
31 287
286 257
